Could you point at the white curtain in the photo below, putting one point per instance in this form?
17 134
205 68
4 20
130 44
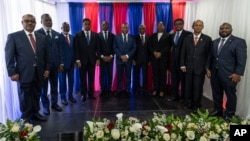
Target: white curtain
11 12
214 13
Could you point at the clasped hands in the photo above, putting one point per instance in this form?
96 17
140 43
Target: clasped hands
107 58
157 54
234 77
124 58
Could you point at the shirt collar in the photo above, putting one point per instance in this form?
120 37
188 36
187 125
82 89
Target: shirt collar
27 32
199 35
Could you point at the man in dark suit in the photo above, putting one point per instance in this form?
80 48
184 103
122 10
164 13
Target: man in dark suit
159 46
177 76
87 56
57 64
227 63
107 57
141 61
28 63
124 47
66 44
194 56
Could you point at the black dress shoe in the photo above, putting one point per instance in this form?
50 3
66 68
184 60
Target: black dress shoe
216 113
56 108
38 117
72 99
46 111
173 99
83 99
65 102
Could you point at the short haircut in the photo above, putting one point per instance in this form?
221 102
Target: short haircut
86 19
179 19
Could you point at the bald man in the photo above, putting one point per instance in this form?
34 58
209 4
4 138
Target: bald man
227 65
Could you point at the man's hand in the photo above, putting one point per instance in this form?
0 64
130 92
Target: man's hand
124 58
60 68
46 74
97 62
78 64
15 77
157 55
183 69
106 58
235 78
208 73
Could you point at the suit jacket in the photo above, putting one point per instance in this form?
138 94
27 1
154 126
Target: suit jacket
232 57
106 47
176 49
122 48
163 46
142 52
87 53
54 48
21 59
67 51
195 57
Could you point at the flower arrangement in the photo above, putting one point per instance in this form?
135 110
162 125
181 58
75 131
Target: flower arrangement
196 126
18 130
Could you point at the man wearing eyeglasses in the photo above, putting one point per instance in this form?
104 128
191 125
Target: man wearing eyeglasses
28 64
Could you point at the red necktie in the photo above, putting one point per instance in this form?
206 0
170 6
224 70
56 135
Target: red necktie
33 42
67 38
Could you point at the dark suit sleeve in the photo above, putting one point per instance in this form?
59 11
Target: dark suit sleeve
116 50
241 57
183 52
76 47
133 48
167 44
10 55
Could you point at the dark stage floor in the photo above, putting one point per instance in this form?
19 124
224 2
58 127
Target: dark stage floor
73 116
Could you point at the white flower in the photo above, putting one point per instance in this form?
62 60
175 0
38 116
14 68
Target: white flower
166 137
15 128
37 128
115 134
100 125
173 136
137 127
119 117
214 136
99 134
162 129
190 135
202 138
3 139
91 126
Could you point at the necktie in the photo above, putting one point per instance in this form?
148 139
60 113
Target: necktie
105 36
221 45
48 33
67 38
177 36
196 39
88 37
125 38
142 40
33 42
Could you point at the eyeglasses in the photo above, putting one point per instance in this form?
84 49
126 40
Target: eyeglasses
29 21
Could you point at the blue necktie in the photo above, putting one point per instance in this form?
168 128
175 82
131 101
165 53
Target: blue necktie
177 38
88 37
220 46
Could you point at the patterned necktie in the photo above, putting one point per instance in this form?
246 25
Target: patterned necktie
220 46
142 40
196 39
177 36
33 42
